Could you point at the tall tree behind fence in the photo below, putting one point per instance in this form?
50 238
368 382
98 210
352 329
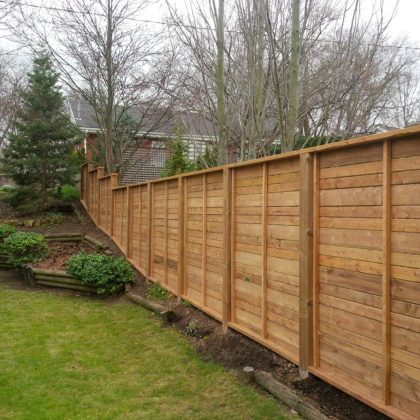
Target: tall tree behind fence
314 254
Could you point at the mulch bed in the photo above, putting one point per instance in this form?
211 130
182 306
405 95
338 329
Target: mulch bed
59 254
232 350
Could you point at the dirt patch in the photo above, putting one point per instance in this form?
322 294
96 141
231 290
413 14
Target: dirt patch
60 252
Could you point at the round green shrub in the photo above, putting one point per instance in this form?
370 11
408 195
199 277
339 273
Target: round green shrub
68 193
6 230
7 188
25 247
108 273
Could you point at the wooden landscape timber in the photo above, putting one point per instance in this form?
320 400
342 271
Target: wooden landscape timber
155 307
4 263
315 254
54 278
289 397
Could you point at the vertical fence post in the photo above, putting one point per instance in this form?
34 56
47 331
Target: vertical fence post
83 183
166 237
204 242
140 223
305 264
99 174
315 263
264 250
90 190
227 223
233 248
114 181
181 237
149 231
386 271
87 199
129 220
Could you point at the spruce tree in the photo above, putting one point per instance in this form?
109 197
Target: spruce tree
40 154
178 162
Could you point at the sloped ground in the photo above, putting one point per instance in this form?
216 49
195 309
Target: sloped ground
232 350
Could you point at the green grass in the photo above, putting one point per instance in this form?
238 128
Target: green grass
74 358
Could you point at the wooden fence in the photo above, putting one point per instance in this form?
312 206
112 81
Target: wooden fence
315 254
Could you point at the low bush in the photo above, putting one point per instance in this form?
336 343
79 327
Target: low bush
6 230
30 202
68 193
108 273
192 329
7 188
25 247
157 292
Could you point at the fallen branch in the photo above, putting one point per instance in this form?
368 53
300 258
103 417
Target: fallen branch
289 397
161 310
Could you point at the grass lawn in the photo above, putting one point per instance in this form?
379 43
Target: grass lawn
67 357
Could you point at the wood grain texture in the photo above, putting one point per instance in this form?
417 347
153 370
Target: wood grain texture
306 264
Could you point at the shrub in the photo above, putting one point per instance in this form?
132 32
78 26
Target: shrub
28 201
7 188
25 247
6 230
68 193
157 292
108 273
192 329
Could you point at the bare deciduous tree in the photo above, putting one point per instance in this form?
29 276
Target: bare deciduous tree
121 71
341 84
11 80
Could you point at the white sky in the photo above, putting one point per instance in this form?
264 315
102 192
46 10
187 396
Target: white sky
406 21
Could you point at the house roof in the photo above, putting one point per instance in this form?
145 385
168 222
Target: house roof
161 124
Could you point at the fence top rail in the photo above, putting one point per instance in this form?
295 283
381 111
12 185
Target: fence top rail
122 187
357 141
105 177
96 169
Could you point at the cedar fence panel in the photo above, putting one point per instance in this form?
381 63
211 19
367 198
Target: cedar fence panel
315 254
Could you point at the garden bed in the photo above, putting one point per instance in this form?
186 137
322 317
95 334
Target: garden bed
51 270
60 252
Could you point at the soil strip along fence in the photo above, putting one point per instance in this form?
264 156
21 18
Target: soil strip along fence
315 254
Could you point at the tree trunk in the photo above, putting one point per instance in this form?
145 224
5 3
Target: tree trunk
287 143
220 85
109 123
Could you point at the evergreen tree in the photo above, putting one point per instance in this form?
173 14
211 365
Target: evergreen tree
209 158
40 154
178 162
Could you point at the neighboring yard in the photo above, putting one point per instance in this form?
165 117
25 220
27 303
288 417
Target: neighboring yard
74 357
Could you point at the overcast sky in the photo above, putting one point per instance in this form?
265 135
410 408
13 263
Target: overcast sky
406 21
407 18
